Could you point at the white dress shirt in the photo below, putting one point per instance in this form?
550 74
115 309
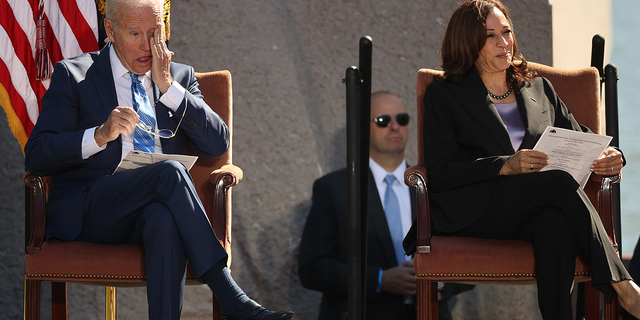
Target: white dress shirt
172 99
399 187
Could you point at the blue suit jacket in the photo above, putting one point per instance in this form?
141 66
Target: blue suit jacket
82 95
323 257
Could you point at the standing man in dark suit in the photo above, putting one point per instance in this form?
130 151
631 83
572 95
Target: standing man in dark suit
322 262
87 125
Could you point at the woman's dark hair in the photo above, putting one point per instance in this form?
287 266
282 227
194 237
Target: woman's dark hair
465 36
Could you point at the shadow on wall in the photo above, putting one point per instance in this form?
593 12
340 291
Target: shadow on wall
12 217
305 302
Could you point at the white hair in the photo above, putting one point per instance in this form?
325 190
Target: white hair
113 8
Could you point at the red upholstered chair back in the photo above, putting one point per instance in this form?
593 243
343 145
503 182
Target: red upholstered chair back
425 78
579 90
486 261
217 91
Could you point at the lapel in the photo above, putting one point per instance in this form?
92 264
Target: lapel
103 80
472 95
533 112
378 222
378 219
163 114
163 119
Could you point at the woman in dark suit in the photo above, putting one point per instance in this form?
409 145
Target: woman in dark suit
480 123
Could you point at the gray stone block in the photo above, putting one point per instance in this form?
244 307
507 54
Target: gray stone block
287 59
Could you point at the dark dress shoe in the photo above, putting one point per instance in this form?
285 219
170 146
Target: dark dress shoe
263 315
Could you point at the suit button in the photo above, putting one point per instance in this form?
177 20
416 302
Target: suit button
110 171
85 189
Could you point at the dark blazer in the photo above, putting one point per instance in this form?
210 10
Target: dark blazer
466 143
322 261
82 95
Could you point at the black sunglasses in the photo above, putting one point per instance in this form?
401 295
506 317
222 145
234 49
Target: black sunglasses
383 120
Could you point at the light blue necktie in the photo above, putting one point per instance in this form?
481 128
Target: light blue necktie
142 140
394 220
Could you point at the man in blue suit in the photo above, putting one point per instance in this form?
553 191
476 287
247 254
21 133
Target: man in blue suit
323 256
89 122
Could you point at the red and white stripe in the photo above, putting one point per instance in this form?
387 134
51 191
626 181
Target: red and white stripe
72 28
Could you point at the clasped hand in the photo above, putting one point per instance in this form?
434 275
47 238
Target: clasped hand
400 279
527 161
609 164
122 120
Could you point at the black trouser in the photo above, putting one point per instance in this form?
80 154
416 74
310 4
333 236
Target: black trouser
550 210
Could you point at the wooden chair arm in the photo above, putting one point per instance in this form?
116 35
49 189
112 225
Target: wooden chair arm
606 205
416 176
37 209
223 179
229 174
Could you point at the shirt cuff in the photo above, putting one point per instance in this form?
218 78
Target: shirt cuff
174 96
89 145
379 288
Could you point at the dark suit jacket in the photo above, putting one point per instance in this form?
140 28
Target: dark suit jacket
466 143
322 261
82 95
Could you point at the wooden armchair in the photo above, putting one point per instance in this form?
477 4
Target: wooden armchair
482 261
123 265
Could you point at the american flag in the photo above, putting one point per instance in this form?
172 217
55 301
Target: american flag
49 30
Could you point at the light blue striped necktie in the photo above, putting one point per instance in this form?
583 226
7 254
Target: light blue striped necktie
394 220
142 140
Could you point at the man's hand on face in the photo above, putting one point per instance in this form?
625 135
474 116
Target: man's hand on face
161 60
122 120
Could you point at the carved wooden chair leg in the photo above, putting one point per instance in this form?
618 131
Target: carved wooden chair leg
427 300
217 311
432 289
59 301
611 308
31 299
592 302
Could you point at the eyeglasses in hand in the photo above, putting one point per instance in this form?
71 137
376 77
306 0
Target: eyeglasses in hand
162 133
384 120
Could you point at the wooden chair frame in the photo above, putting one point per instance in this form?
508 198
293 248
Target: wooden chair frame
464 260
123 265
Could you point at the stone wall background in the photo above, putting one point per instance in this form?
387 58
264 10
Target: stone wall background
287 59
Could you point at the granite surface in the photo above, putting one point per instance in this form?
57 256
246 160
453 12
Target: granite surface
287 60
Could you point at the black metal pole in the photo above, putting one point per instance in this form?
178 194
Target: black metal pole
355 282
358 83
597 61
611 111
364 68
597 53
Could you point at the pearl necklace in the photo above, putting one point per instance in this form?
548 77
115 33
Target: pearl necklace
502 96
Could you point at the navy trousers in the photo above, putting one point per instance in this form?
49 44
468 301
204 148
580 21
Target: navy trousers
550 210
156 206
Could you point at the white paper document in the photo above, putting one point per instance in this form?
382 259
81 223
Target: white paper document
572 151
137 159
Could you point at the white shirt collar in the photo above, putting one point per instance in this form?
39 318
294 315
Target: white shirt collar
118 70
379 173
